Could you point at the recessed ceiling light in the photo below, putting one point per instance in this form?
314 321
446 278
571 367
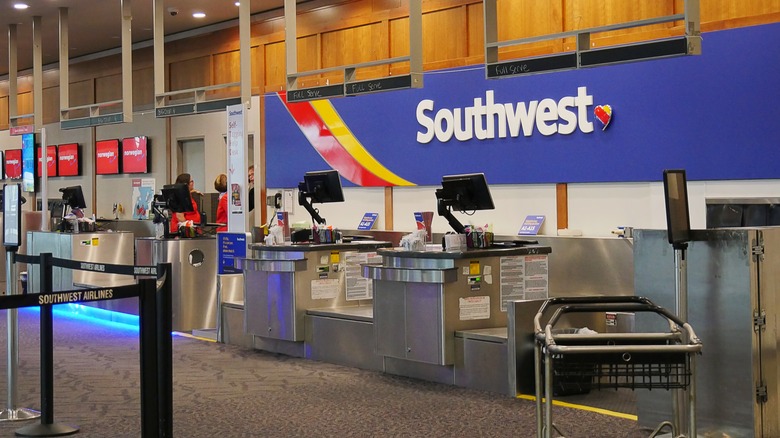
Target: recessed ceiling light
199 14
21 5
237 3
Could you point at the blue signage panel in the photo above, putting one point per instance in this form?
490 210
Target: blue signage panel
230 246
712 114
531 225
368 221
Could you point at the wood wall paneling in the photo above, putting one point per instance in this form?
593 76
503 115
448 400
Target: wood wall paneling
190 73
226 69
81 93
4 123
353 45
108 88
274 66
475 29
143 88
24 103
399 43
444 34
258 69
308 59
51 105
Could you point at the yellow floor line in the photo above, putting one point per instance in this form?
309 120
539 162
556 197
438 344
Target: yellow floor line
188 335
583 407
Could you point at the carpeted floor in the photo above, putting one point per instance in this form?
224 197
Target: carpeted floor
227 391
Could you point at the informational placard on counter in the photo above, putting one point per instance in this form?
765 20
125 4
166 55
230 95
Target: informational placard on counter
230 246
368 221
531 225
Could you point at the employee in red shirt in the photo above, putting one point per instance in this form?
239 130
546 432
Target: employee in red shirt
220 185
194 215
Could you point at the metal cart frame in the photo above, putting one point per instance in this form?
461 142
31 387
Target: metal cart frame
663 360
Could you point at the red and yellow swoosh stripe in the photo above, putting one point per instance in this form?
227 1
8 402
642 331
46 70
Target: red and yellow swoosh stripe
337 145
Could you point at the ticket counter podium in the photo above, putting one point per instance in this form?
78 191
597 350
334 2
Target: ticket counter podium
282 282
422 299
194 277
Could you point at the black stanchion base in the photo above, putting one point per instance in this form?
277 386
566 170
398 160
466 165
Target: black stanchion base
47 430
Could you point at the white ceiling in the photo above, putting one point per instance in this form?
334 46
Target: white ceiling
95 25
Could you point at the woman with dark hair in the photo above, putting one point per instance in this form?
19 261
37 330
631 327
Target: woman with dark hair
194 215
220 185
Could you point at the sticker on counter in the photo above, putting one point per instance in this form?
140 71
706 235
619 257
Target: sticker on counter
523 278
325 289
474 267
474 308
357 286
334 257
95 241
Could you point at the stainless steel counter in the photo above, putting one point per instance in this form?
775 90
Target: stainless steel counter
282 282
99 247
194 265
421 298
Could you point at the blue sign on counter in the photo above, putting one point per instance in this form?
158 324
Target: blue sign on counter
368 221
230 246
531 225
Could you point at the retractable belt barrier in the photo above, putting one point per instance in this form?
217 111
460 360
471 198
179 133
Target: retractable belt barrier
154 310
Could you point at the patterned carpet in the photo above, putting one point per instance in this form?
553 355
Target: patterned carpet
227 391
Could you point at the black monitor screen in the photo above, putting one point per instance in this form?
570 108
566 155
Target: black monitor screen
73 197
323 186
465 193
678 222
177 198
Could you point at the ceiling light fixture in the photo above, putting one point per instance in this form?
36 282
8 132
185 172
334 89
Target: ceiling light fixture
21 6
237 3
199 14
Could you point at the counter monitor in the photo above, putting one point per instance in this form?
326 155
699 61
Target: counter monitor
464 193
177 198
72 197
319 187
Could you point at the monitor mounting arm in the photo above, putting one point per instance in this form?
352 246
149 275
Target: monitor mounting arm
304 201
445 211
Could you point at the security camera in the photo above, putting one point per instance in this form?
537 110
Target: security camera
173 11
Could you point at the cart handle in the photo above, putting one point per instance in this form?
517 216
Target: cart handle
610 300
694 344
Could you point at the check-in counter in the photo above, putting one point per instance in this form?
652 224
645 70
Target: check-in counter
194 278
282 282
422 298
97 247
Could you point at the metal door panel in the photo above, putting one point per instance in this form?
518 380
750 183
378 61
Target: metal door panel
280 306
424 324
719 309
768 273
389 304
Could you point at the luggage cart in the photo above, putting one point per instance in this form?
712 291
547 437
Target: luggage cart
663 360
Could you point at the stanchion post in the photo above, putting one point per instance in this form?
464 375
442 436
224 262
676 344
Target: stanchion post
165 353
47 426
147 326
